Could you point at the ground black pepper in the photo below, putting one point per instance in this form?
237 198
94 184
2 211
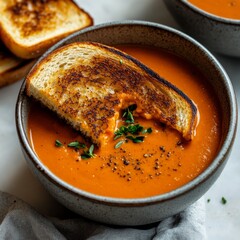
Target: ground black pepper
127 167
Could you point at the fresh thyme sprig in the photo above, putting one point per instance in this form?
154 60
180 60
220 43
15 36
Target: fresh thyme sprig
119 144
147 130
131 128
128 113
124 130
58 143
76 145
137 139
88 153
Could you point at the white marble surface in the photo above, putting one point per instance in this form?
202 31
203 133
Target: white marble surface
222 221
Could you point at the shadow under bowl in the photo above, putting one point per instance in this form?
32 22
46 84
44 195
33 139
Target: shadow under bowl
138 211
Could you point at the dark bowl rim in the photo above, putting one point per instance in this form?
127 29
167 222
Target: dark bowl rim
216 163
216 18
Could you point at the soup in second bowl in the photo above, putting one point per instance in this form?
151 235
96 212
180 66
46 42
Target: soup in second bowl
221 8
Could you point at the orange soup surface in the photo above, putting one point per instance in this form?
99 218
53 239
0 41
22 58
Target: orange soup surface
222 8
159 164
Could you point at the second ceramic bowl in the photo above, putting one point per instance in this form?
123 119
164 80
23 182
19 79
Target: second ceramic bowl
217 33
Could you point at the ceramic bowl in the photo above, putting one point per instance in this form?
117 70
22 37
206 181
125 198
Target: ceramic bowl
217 33
147 210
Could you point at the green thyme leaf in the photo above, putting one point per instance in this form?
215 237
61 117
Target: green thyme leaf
117 136
91 149
132 107
85 156
144 131
119 144
147 130
88 153
121 61
137 139
76 145
128 113
129 118
223 200
135 129
122 130
131 128
58 143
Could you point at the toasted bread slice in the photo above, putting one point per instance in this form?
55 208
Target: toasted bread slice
12 68
89 83
29 27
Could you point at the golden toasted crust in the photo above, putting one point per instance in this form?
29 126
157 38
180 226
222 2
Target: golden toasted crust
94 82
12 68
29 27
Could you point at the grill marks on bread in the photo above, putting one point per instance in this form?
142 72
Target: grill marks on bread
29 27
96 107
33 15
88 84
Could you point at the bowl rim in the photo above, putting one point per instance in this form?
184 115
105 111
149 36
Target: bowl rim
211 16
216 163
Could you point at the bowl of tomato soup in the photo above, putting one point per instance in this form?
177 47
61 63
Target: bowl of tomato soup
216 24
149 177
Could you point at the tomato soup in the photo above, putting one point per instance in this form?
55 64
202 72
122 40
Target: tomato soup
222 8
160 162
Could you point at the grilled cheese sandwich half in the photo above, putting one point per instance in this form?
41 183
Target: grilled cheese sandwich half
88 84
29 27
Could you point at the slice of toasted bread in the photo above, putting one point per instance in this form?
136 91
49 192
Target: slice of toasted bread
89 83
29 27
12 68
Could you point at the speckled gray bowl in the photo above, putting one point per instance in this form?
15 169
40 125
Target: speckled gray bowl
151 209
219 34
